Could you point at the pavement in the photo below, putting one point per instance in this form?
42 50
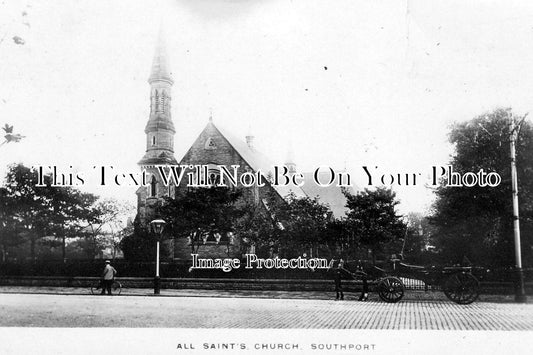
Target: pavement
315 295
71 307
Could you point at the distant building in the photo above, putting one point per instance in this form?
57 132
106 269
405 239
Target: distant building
213 147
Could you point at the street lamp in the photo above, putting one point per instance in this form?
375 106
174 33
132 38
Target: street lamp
514 129
157 226
520 293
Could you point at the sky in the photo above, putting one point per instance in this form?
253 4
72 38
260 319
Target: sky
346 83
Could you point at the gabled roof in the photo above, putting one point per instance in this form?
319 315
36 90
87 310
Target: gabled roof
255 159
331 195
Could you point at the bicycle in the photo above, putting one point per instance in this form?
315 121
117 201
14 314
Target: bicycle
116 288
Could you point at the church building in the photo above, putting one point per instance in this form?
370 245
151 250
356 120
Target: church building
213 147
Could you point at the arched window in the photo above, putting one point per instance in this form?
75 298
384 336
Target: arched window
156 101
163 99
153 140
214 177
153 187
211 179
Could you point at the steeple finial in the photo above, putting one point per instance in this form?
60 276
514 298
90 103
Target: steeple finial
160 66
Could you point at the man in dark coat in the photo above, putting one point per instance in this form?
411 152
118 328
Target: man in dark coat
364 277
338 273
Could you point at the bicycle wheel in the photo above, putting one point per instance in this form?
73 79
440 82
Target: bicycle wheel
116 288
96 288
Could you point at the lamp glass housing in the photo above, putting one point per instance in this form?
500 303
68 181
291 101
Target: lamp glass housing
157 226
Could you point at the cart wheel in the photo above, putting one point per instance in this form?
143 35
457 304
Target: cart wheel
461 288
390 289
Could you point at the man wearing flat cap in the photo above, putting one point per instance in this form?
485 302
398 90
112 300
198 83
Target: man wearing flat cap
108 276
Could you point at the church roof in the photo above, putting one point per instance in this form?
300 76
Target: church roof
159 121
257 161
331 195
161 159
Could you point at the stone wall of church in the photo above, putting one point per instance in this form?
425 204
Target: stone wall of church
212 148
217 152
146 201
160 139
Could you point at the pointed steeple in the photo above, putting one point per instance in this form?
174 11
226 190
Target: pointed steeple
160 64
160 128
161 85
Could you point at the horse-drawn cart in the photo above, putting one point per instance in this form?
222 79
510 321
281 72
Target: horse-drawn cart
457 282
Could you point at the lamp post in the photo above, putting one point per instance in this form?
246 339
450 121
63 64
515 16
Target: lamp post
157 226
514 129
520 293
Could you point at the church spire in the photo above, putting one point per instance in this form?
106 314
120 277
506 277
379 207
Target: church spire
160 128
160 65
161 84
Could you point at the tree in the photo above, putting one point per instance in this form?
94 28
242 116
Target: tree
24 214
304 224
9 234
257 228
476 222
290 226
202 213
67 212
286 226
339 240
35 212
140 245
416 247
107 226
372 219
196 214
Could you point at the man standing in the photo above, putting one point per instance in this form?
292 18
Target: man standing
364 276
108 276
338 274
